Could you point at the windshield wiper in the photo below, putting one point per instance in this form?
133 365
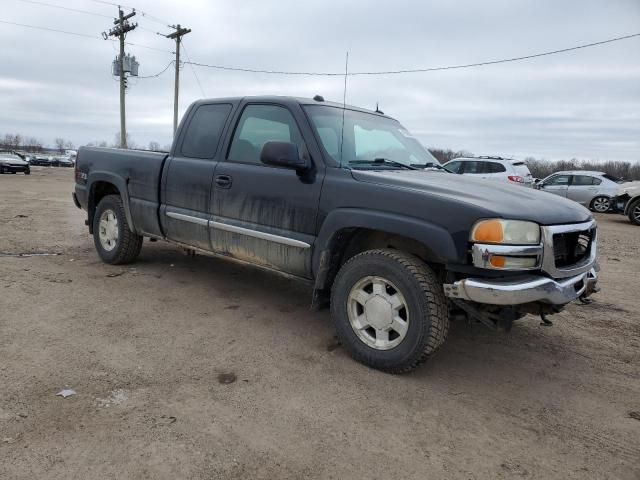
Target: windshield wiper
429 165
384 161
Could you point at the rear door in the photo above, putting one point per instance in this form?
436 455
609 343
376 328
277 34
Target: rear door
189 173
475 168
260 213
557 184
495 171
583 188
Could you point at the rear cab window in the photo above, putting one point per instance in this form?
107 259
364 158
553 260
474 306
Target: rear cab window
203 132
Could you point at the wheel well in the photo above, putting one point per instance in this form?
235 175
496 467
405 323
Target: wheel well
99 190
351 241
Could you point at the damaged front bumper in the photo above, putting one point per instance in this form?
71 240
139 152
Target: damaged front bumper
524 289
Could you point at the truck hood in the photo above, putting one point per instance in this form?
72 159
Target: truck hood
495 198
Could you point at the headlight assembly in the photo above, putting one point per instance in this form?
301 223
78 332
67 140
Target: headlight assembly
506 232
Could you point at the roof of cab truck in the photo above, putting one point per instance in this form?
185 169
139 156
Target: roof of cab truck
289 100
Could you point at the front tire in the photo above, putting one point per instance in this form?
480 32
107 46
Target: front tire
115 242
634 212
389 310
601 204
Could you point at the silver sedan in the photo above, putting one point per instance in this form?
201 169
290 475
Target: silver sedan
594 190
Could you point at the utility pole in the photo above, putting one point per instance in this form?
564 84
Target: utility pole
122 26
177 35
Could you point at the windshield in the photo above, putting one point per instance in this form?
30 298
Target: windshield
368 140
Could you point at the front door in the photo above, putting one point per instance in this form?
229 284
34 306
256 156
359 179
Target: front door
188 176
264 214
557 184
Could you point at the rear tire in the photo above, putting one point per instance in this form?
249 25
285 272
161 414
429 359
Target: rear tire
634 212
389 310
601 204
115 242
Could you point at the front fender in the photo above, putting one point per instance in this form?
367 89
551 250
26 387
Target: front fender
120 183
434 237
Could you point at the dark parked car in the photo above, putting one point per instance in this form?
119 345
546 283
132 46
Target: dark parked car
12 163
332 196
40 161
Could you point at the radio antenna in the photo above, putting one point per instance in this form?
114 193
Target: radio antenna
344 102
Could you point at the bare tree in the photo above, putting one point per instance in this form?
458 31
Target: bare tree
60 144
69 145
154 146
444 156
116 141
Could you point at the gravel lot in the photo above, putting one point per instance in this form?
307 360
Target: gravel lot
200 368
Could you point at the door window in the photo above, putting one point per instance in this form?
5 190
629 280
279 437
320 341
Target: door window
581 180
495 167
203 133
258 125
453 167
473 167
558 180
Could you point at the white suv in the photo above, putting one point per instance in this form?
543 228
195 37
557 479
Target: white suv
492 168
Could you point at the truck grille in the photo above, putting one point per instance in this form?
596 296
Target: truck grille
571 248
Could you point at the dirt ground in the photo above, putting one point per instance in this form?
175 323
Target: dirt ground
153 349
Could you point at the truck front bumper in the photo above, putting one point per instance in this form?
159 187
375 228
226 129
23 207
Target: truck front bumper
523 289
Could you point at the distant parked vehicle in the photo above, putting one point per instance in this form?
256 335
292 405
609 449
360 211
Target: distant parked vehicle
11 163
594 190
492 168
627 201
64 162
40 161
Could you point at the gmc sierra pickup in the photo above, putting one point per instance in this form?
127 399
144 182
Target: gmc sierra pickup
348 200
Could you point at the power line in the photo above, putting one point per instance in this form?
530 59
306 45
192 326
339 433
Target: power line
333 74
140 12
193 70
61 7
51 29
159 73
493 62
85 35
415 70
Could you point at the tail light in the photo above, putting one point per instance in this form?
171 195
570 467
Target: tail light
81 177
516 178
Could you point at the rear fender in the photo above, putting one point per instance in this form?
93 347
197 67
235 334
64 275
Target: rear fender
118 182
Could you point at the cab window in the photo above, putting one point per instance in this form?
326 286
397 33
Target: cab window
203 132
258 125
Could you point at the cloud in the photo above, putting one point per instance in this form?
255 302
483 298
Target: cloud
582 104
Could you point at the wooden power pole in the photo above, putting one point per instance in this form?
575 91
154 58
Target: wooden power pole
122 26
177 35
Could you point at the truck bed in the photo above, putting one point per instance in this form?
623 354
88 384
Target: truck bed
141 171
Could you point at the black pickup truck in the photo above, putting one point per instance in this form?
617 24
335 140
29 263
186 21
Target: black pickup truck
346 199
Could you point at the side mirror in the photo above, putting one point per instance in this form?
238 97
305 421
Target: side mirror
283 154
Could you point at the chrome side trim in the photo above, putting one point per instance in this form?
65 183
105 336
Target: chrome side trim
548 258
481 254
188 218
257 234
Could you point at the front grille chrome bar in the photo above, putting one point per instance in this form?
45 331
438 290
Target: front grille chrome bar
548 256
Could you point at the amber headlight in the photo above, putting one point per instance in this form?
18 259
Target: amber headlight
506 232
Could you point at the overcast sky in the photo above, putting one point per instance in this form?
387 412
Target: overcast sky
583 104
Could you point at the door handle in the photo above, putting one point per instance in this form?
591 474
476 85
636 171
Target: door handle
224 181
